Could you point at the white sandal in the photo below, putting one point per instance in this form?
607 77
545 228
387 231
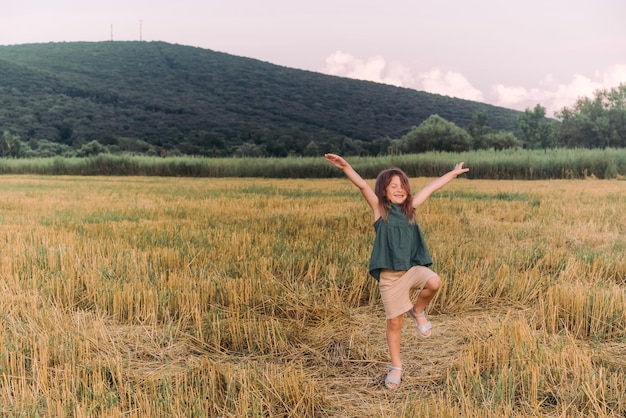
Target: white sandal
421 329
389 381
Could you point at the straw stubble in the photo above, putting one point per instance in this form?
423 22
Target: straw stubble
244 297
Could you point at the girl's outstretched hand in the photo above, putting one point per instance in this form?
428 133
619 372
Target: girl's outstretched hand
336 160
458 169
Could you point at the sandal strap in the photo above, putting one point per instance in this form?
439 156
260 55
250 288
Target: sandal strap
424 328
416 315
394 368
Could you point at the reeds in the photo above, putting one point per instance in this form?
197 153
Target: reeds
153 296
520 164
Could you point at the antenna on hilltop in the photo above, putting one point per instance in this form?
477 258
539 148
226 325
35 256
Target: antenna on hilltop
140 30
111 32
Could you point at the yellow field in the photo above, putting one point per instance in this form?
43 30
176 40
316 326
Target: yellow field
155 297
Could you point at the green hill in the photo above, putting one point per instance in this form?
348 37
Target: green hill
155 96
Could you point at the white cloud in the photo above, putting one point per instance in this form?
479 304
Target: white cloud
378 70
449 83
518 97
549 93
371 69
553 96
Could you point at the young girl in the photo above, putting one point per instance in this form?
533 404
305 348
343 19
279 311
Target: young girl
400 258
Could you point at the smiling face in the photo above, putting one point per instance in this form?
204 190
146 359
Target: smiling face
392 187
395 191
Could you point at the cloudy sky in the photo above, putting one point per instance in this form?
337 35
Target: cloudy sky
512 54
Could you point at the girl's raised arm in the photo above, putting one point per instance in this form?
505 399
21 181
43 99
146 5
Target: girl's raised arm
437 184
357 180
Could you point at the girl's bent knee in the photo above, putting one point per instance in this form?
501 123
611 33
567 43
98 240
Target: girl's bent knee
434 283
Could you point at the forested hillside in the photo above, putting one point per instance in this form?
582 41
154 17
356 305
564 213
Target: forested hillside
155 97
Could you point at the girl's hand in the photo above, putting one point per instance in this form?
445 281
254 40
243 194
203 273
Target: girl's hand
458 169
337 161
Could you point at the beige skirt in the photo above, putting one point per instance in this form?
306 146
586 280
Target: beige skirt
395 287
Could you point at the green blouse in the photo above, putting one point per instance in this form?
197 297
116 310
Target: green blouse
399 245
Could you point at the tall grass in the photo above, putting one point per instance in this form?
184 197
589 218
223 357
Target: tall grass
513 164
157 296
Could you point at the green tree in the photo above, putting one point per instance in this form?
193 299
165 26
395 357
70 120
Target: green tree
10 145
437 134
595 123
92 149
45 148
396 147
311 150
501 140
536 131
249 149
478 129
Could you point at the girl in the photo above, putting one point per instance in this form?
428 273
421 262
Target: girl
400 260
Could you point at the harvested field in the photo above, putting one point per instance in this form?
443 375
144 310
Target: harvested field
149 296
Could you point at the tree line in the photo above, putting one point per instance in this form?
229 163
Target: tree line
597 122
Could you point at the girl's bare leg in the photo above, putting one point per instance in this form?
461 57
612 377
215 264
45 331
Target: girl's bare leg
394 328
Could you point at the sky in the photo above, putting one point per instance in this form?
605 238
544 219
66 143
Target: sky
514 54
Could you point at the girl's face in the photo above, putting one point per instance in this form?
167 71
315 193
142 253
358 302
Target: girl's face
395 192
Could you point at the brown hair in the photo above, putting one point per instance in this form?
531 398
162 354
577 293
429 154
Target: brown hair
382 181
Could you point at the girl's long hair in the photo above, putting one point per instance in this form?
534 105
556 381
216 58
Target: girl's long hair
382 181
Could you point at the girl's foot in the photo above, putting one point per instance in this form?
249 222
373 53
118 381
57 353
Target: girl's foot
394 377
424 327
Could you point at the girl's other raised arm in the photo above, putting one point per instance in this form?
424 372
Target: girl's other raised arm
356 179
437 184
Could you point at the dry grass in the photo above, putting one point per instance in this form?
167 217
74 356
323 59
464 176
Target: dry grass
157 297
